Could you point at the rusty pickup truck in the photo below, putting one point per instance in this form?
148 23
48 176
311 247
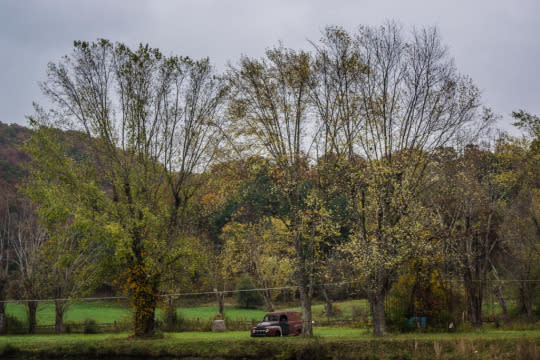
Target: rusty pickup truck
279 323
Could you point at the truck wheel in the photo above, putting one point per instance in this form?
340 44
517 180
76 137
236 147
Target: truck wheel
278 333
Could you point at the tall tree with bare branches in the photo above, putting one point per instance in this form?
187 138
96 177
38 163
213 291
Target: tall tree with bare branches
269 102
389 100
150 123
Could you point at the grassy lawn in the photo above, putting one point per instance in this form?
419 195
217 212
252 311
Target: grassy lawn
346 308
209 312
104 313
109 312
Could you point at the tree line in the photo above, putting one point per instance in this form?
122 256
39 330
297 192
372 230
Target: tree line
368 157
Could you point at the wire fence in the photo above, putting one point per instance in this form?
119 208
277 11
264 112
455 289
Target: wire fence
341 304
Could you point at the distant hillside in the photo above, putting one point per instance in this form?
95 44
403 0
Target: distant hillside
12 157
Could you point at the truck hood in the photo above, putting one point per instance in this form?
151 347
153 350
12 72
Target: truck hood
267 323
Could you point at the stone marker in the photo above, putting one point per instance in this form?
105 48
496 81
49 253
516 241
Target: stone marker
219 326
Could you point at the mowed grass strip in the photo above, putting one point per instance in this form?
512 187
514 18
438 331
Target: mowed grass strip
322 333
494 344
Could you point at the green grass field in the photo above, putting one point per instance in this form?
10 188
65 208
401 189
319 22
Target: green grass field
104 313
109 312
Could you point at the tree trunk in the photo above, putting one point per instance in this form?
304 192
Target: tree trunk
525 300
499 293
303 287
377 312
502 301
305 299
268 300
221 302
172 317
475 310
2 318
144 318
474 302
144 302
328 309
31 307
59 308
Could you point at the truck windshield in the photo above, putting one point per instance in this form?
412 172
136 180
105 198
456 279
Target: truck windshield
269 318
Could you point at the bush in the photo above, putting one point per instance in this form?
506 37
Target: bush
359 313
15 326
9 350
442 320
90 326
337 311
396 319
312 350
247 299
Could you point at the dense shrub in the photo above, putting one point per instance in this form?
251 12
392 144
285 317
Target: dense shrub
90 326
15 326
396 319
421 292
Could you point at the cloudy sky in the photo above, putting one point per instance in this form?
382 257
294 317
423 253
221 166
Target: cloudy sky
496 42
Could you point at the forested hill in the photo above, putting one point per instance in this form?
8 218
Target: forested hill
12 156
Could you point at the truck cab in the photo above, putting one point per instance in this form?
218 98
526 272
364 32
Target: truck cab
279 323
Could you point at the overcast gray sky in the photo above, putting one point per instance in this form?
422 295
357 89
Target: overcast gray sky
496 42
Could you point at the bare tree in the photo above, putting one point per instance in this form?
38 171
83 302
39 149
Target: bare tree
523 241
70 261
27 243
6 232
270 101
391 100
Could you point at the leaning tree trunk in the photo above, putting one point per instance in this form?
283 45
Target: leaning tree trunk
31 307
502 301
59 308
